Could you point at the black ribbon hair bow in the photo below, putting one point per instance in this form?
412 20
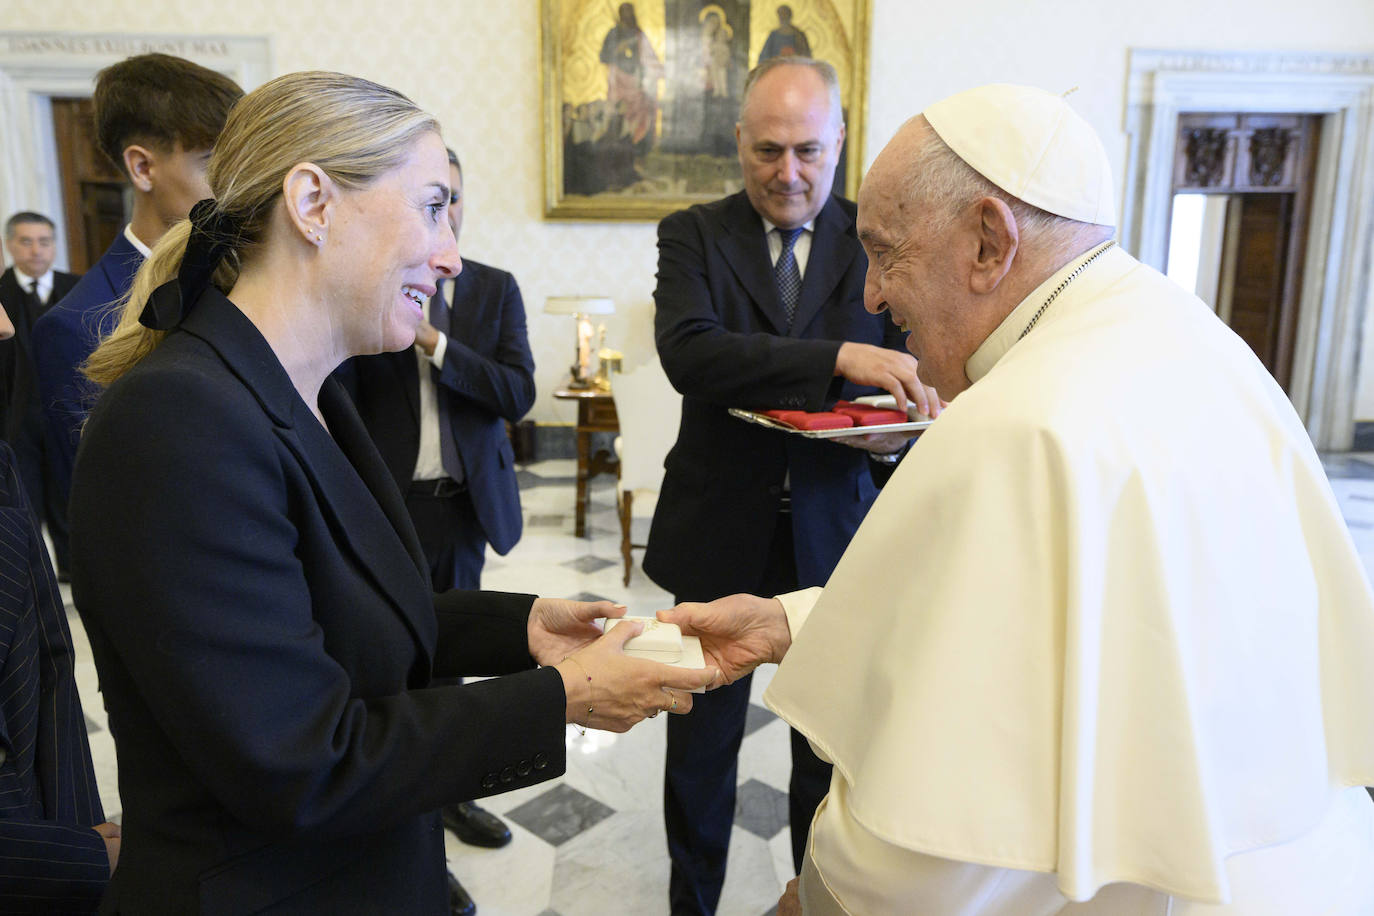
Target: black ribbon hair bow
214 234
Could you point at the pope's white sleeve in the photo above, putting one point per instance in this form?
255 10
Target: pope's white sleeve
797 605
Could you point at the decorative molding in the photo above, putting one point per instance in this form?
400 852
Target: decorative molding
1268 154
35 67
1206 152
1145 63
1339 260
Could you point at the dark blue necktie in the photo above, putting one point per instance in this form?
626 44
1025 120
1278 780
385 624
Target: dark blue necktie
787 274
448 447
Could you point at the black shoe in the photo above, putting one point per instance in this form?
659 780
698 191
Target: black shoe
459 902
475 826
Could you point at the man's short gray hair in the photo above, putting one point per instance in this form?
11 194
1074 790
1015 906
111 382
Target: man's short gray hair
942 185
822 69
23 217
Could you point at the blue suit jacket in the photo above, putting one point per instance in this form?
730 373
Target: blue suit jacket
64 337
50 858
487 378
724 342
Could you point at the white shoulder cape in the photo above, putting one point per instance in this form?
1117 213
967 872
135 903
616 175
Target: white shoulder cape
1106 619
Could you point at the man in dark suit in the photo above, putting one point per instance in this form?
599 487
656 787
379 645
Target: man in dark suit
156 119
759 304
471 371
56 850
30 286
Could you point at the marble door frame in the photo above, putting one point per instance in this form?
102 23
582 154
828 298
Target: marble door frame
1336 288
37 66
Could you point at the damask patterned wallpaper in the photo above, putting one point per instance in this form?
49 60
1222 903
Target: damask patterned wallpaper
475 63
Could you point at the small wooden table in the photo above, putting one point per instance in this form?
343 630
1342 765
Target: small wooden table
595 414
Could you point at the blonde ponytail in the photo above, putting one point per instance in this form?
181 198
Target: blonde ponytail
130 341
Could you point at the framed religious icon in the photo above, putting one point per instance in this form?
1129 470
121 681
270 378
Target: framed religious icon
641 98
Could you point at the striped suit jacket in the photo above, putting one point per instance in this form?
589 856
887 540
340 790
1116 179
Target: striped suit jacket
51 861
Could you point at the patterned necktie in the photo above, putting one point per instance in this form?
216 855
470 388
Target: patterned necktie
448 448
438 308
786 273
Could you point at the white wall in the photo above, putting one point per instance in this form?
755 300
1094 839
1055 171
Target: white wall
475 63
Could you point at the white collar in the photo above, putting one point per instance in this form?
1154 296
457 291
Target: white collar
1015 325
769 226
136 241
25 280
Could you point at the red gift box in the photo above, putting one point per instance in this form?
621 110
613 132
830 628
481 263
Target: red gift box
800 419
867 415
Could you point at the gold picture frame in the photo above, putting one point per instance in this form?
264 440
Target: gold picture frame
639 110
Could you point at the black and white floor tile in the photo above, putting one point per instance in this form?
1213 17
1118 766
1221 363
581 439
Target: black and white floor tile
591 842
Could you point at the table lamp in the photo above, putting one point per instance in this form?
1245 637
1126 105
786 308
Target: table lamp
581 308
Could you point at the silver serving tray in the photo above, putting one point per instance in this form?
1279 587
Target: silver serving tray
911 426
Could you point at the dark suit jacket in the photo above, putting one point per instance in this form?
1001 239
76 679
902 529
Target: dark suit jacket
63 337
719 325
487 378
50 858
22 411
265 634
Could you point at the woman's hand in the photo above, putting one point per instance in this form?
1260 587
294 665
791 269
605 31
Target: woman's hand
558 627
609 690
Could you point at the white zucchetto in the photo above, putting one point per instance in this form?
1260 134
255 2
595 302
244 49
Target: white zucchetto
1032 145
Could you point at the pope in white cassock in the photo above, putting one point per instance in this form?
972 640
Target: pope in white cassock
1103 645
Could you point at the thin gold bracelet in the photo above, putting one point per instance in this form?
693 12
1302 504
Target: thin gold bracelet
590 709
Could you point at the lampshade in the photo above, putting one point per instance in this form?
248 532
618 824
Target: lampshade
579 305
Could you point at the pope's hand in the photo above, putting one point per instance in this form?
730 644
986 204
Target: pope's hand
557 627
607 689
738 633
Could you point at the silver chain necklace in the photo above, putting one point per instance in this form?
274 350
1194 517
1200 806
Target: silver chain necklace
1062 284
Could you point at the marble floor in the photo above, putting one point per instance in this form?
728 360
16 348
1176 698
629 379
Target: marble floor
591 842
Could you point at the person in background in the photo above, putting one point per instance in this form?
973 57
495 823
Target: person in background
57 851
469 373
156 119
759 304
1114 650
31 286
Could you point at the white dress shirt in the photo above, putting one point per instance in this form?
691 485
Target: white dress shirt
44 284
801 248
429 463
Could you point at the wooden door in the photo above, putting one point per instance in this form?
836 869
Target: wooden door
93 190
1265 164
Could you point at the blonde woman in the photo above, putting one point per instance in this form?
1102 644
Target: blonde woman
255 594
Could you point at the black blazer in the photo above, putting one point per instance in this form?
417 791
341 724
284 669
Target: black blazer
265 637
720 328
487 378
19 401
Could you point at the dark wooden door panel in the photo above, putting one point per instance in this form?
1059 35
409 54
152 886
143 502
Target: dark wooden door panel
92 187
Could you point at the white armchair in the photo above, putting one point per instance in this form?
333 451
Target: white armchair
649 409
